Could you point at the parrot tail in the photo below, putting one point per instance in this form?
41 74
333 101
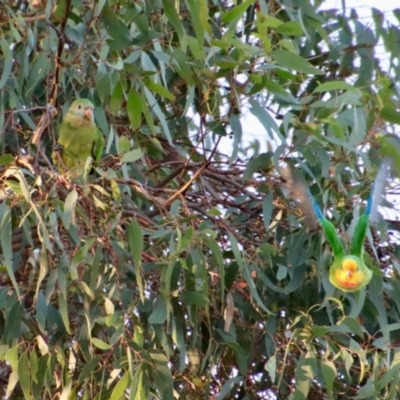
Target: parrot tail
378 189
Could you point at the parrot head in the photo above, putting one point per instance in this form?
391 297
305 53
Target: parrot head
351 274
80 113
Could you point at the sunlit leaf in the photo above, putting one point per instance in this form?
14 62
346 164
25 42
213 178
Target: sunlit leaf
291 28
237 11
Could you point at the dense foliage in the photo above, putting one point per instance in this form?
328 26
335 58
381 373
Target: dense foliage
180 268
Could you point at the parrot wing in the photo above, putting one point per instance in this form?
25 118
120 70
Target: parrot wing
98 146
299 191
371 211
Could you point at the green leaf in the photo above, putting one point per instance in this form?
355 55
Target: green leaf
329 373
272 21
354 326
291 28
100 344
38 72
392 372
134 109
271 368
162 377
391 115
12 357
217 255
291 60
139 384
89 367
228 387
265 119
157 110
185 241
240 354
173 18
117 96
8 61
41 310
191 298
261 163
120 387
346 98
304 375
160 311
237 131
267 210
80 256
24 374
282 273
63 307
318 331
214 212
159 89
196 49
246 273
5 241
132 156
390 147
116 27
334 85
236 12
368 390
6 159
199 13
135 240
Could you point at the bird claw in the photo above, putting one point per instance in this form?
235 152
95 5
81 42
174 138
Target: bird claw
58 147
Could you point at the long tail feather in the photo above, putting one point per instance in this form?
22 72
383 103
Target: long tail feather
378 190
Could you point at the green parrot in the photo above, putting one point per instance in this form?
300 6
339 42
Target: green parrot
348 271
78 137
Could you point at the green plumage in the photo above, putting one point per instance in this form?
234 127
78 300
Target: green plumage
348 272
78 136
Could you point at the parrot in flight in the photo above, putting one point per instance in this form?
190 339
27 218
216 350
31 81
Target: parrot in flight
78 137
348 271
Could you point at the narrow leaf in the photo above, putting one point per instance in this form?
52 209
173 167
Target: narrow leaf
159 89
334 85
391 115
135 239
134 109
8 61
237 11
120 387
291 61
69 208
132 156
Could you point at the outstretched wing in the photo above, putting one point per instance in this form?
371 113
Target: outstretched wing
371 211
300 192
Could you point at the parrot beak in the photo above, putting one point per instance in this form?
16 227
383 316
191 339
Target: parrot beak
349 274
88 113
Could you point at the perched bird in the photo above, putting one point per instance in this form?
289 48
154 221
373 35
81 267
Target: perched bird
78 137
348 271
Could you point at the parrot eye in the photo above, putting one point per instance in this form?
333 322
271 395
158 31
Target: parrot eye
79 107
